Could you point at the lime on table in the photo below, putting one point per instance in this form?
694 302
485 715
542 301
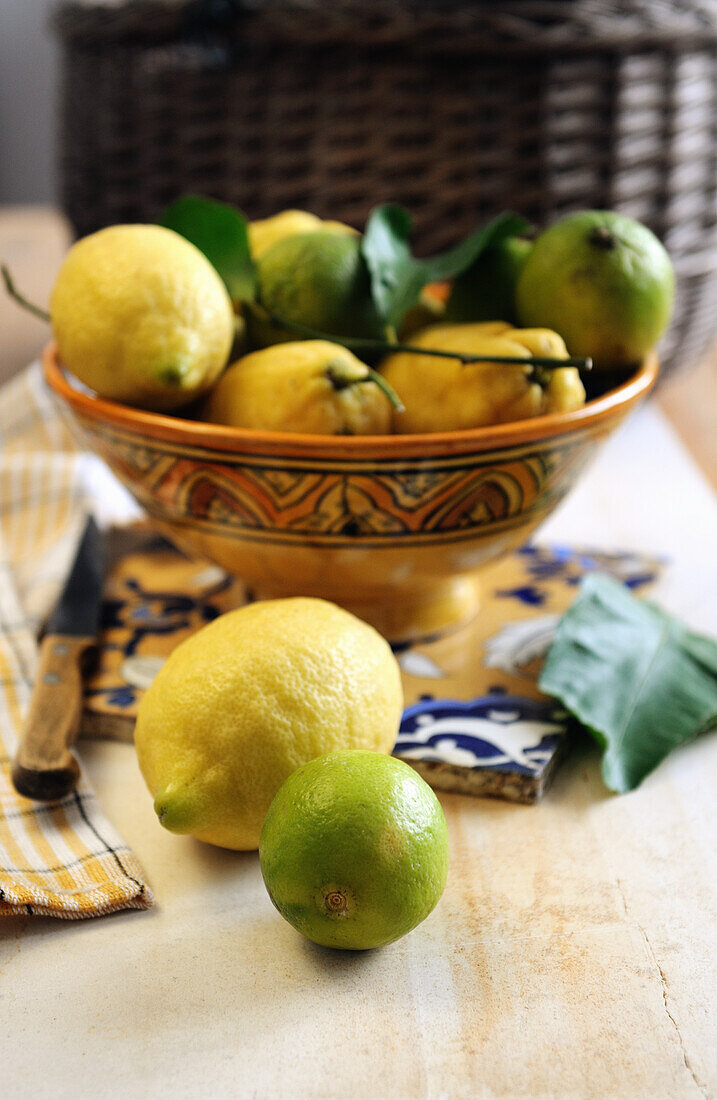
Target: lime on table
604 282
354 850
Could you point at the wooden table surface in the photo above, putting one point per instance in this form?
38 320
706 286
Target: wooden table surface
574 953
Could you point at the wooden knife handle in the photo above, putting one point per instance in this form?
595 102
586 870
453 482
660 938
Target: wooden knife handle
44 768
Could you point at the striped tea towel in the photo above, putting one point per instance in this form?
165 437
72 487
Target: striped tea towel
62 859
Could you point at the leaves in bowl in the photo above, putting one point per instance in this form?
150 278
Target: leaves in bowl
398 277
219 231
637 679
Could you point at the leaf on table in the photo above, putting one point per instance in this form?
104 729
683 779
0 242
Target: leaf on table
634 676
219 231
398 277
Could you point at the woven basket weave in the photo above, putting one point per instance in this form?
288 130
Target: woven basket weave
458 110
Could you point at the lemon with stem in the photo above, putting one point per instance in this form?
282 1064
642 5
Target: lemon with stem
441 393
308 386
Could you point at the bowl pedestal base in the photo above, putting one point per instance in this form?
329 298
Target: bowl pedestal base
404 615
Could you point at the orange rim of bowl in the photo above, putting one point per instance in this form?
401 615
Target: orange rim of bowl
614 404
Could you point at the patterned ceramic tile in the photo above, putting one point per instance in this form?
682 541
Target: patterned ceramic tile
475 720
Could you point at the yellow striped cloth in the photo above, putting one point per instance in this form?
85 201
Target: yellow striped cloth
62 859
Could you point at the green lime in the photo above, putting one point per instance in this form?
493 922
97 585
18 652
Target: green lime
486 291
604 282
354 849
319 280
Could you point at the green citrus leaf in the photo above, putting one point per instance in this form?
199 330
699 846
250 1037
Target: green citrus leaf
398 277
220 232
634 676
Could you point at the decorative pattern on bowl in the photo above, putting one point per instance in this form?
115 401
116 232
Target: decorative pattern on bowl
394 527
348 503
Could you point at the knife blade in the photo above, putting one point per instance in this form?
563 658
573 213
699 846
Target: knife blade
44 767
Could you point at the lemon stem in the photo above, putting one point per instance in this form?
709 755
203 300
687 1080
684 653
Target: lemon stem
601 237
340 381
19 298
385 387
359 342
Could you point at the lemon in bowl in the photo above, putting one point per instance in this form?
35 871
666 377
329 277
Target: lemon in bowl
307 386
266 232
141 316
444 393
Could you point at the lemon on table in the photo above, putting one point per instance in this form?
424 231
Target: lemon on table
354 850
604 282
249 698
311 386
267 231
141 316
443 394
319 280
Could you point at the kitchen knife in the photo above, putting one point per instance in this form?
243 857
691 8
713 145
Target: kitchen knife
44 768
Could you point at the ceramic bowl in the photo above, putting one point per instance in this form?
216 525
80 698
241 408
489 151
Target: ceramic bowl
395 528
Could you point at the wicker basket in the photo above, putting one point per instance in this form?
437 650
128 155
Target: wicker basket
456 109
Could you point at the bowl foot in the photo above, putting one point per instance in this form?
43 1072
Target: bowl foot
407 616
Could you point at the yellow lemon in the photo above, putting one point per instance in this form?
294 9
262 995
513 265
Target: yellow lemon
248 699
354 850
267 231
141 316
309 386
444 394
